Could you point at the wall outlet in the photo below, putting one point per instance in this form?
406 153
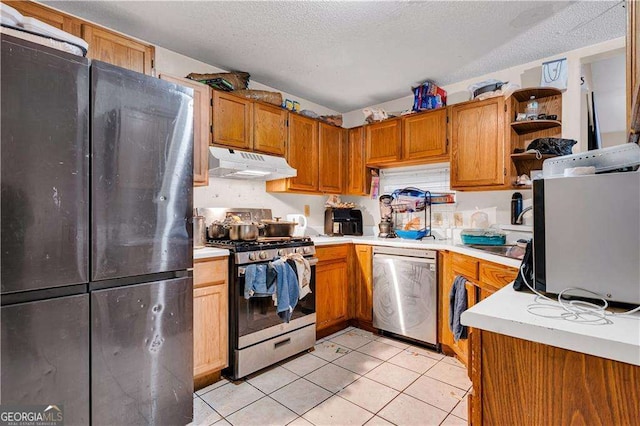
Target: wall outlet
307 210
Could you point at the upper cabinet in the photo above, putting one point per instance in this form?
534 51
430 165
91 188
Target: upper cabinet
302 155
419 138
248 125
318 151
116 49
478 148
48 16
232 121
331 152
358 176
201 126
104 45
269 129
384 142
425 136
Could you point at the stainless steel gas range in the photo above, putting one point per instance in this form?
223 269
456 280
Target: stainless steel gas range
257 335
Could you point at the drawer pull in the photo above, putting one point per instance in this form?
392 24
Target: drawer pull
281 343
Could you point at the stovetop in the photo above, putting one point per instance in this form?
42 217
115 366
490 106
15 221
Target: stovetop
261 244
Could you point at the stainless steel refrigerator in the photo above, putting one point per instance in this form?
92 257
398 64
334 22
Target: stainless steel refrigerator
96 181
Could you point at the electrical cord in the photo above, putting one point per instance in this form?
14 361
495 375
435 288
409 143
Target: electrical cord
573 310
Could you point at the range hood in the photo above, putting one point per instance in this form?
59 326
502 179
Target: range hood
234 164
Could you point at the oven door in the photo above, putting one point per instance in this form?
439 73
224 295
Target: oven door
258 318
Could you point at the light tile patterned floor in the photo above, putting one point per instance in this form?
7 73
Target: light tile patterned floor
352 377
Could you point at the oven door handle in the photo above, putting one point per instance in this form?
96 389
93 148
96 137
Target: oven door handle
313 261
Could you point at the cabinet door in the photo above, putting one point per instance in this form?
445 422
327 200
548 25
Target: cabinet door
210 335
201 126
331 152
383 142
425 136
364 283
269 129
358 180
478 144
232 121
117 49
48 16
302 152
331 293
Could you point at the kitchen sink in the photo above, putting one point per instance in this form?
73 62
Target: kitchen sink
509 250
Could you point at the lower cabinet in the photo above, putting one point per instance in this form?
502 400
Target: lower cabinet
363 269
210 319
332 288
483 279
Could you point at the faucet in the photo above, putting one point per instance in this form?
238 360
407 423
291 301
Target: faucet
519 219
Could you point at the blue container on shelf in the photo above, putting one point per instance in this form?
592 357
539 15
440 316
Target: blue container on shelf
412 234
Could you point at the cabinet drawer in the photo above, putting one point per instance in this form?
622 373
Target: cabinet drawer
207 272
464 265
496 276
332 252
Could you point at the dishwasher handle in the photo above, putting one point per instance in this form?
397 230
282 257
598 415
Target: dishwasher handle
404 259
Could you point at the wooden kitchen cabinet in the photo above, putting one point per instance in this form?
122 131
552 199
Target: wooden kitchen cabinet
302 155
232 121
483 279
269 129
210 319
358 175
363 285
49 16
331 155
479 151
332 288
425 137
108 46
201 127
383 142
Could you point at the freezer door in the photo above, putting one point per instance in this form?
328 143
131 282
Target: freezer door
45 355
44 167
405 296
142 354
142 174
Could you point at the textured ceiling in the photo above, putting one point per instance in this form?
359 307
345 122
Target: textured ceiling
347 55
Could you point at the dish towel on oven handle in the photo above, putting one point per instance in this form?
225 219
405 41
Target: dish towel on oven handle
457 305
287 290
303 269
259 280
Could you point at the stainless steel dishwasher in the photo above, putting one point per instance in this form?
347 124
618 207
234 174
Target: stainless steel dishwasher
405 292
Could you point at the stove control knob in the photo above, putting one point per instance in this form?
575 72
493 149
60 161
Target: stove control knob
281 252
306 250
299 250
263 255
252 256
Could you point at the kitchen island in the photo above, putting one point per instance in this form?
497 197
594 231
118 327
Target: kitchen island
530 369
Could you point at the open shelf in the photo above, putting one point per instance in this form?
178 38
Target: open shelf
529 126
526 162
538 92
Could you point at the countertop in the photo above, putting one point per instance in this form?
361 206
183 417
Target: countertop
425 244
209 252
505 312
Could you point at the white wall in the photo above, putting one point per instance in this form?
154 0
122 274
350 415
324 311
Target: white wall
179 65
